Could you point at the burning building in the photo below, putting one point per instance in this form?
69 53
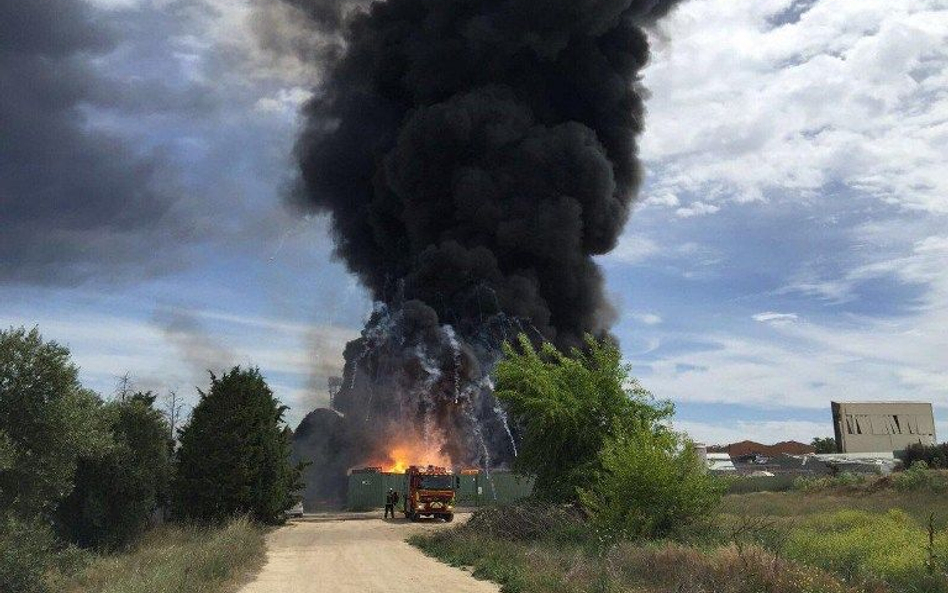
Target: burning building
473 157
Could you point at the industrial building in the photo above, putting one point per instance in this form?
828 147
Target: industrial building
877 427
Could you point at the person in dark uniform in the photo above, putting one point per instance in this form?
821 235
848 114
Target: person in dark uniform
391 499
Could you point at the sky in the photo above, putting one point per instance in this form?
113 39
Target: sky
789 247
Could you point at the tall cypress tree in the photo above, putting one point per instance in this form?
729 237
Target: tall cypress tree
235 453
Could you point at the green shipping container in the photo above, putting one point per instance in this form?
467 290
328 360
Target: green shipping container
367 488
497 487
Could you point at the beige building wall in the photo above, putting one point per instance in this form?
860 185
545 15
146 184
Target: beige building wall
873 427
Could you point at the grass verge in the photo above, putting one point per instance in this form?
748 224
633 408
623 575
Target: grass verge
875 537
549 566
182 559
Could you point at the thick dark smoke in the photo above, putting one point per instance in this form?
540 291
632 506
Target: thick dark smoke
73 197
474 155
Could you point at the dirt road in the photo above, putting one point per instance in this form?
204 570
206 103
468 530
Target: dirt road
356 554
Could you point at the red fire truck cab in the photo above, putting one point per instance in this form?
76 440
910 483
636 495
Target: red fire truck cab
430 492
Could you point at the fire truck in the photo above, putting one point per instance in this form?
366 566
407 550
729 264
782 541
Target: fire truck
430 492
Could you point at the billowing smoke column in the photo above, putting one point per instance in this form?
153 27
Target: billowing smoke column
474 155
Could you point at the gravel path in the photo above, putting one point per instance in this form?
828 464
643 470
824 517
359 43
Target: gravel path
357 554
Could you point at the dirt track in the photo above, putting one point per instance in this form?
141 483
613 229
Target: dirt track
357 554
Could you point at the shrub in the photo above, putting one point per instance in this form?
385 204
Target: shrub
530 520
116 492
845 480
919 477
234 457
650 485
30 557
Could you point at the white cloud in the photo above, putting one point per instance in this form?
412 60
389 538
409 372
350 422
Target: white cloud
647 318
807 364
662 198
775 318
853 93
696 209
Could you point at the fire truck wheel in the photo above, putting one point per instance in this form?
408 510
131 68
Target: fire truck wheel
413 517
448 518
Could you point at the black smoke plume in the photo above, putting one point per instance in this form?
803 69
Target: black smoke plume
474 155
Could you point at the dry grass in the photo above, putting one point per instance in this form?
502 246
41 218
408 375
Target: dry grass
548 566
178 559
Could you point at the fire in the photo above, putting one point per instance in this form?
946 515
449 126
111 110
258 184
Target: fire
401 456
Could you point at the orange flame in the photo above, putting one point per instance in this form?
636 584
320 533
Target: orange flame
401 456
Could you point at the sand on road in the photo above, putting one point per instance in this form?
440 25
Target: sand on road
357 554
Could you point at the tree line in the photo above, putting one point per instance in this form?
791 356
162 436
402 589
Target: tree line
79 471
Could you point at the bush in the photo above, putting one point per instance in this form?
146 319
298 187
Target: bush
530 520
650 485
31 557
116 492
845 480
919 477
234 457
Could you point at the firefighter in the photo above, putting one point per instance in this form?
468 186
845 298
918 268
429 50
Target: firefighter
391 499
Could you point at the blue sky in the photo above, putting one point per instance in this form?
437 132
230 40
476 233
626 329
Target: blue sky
790 246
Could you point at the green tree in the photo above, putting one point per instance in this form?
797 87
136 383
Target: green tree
824 444
593 435
117 491
569 408
234 456
47 421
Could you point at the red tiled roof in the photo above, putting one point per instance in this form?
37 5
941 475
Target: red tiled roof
751 447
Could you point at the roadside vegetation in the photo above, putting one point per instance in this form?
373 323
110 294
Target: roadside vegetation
99 494
179 558
882 535
623 505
